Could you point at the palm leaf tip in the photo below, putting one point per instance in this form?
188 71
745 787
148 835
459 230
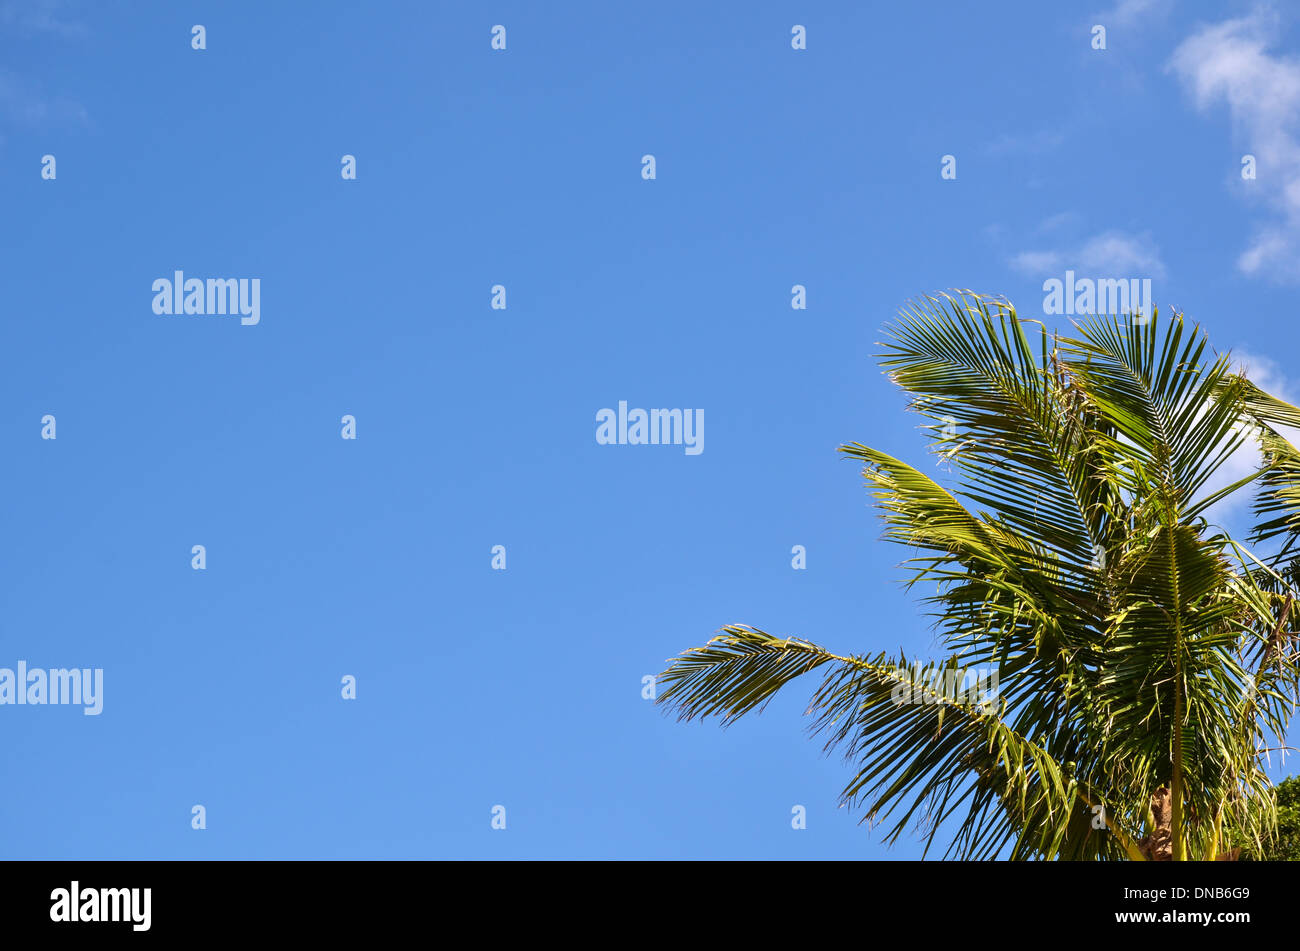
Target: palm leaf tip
737 671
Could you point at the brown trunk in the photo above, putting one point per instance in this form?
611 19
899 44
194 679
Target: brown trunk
1159 845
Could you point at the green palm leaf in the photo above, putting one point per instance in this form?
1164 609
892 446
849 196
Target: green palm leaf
1142 659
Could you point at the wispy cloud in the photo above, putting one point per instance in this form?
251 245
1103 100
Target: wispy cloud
40 16
1056 222
1025 143
1230 63
1267 375
1110 254
1038 262
1128 12
24 104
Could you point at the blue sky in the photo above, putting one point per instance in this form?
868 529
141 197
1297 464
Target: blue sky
475 427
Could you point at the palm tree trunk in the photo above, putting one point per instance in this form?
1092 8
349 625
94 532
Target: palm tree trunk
1159 845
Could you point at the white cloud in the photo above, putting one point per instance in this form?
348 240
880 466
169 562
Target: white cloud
1026 143
1119 254
1230 63
21 102
1112 254
40 16
1267 375
1057 221
1128 12
1037 262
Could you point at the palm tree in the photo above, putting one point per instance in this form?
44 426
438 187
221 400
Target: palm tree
1286 848
1116 667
